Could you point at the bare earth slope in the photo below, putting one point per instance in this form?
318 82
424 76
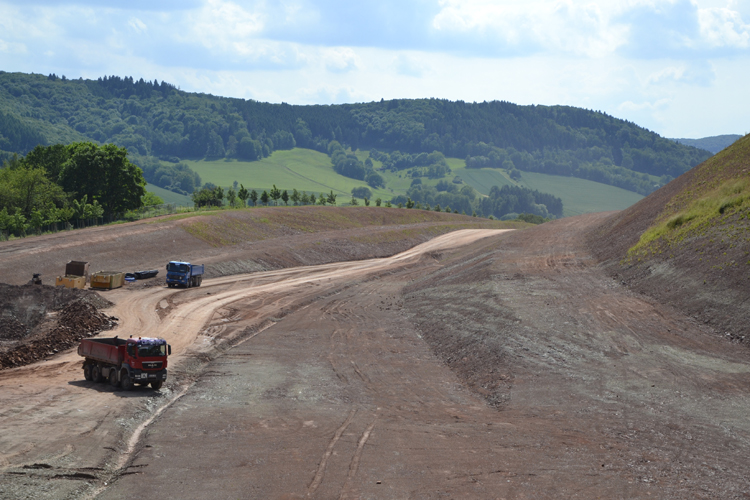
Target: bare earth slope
478 364
231 242
704 267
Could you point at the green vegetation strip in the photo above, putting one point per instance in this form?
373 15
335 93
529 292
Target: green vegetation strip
728 202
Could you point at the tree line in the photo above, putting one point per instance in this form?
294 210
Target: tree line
501 203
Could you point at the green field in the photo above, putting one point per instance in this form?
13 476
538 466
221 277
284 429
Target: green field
301 169
580 196
482 179
311 171
169 196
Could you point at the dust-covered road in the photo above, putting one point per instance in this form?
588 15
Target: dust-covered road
63 435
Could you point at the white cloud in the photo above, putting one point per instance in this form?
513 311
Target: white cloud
340 60
683 73
410 66
137 25
12 48
554 25
648 106
722 27
224 25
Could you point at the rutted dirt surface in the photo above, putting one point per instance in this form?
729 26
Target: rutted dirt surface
477 365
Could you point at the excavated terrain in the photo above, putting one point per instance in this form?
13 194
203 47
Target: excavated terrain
480 363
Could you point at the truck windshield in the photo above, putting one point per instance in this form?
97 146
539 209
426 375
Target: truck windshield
177 268
150 350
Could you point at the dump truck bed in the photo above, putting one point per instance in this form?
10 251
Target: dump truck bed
107 350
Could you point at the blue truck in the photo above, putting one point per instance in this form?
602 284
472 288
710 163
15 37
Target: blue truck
184 274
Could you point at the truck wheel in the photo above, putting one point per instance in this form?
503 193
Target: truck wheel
87 372
156 385
113 378
127 382
96 374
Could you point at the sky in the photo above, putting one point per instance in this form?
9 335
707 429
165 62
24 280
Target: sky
678 67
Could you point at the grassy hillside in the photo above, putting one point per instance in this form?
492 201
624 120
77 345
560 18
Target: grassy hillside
301 169
308 170
580 196
169 196
715 202
482 179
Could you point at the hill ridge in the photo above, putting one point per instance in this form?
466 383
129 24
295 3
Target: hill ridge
156 119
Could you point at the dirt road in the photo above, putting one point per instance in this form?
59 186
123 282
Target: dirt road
478 365
56 425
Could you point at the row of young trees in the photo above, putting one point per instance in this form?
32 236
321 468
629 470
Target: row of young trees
502 202
78 183
214 196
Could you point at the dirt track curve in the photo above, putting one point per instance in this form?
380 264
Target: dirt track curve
353 380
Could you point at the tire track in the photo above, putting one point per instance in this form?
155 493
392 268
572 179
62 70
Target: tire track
318 478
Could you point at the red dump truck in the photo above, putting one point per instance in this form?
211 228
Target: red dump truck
125 362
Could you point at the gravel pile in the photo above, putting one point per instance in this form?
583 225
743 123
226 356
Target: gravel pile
75 321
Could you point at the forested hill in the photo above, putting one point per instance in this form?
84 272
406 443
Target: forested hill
156 119
713 144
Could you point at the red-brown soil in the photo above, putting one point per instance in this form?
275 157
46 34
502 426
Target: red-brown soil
477 365
231 242
706 276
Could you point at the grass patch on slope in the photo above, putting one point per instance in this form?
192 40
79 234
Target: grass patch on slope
301 169
715 203
170 196
482 179
580 196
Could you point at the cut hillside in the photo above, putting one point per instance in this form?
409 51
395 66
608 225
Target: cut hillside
688 244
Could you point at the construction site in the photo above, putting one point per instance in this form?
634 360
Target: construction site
448 357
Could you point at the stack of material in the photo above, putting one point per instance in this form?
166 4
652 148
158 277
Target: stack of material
76 320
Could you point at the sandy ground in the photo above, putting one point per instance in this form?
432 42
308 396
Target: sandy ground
481 364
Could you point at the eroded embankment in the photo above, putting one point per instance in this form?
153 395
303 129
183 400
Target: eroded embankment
533 325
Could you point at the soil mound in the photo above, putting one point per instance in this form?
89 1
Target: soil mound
38 321
698 264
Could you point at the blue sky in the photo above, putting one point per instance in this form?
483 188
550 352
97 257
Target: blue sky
678 67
